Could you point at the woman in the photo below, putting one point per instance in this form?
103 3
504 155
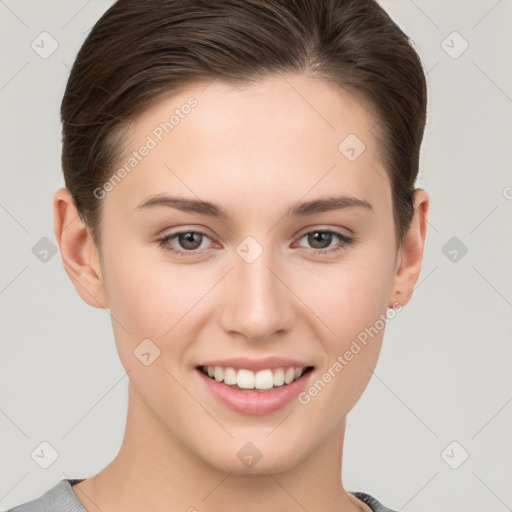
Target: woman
240 196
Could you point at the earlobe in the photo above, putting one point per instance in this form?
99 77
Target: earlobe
410 255
78 251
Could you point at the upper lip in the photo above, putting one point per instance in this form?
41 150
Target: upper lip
272 362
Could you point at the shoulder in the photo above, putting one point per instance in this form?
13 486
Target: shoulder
59 498
373 503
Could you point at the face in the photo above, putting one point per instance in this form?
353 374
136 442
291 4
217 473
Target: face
267 276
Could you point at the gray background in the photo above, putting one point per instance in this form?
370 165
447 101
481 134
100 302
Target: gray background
444 373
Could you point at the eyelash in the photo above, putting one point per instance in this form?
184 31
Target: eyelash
345 241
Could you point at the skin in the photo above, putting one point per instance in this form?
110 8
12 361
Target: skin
257 151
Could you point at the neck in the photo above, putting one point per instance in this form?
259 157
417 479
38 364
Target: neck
155 471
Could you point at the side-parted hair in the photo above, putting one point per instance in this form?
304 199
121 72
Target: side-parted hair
142 50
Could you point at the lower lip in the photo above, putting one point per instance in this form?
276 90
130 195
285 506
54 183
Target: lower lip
255 402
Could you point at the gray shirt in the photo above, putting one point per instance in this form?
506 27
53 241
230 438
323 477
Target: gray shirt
61 498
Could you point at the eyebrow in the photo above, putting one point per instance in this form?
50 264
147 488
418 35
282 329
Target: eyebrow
211 209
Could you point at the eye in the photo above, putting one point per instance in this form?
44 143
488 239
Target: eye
189 240
321 240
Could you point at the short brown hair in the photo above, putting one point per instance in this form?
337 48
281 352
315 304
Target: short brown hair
141 50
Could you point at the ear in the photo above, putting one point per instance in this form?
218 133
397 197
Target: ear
79 253
410 253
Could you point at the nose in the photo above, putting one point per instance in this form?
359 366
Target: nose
258 304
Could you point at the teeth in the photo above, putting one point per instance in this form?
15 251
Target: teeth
278 377
264 379
247 379
218 374
229 376
289 375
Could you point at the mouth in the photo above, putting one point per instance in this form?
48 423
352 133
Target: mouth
247 380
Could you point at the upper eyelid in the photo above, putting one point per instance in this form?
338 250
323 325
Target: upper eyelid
302 232
338 230
178 231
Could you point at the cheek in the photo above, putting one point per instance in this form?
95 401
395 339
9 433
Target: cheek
151 298
354 306
136 286
348 297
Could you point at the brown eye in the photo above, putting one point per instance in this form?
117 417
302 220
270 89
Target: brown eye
187 242
320 241
190 240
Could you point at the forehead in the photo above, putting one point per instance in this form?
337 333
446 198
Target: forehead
290 134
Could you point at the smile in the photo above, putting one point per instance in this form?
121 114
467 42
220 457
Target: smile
262 380
254 386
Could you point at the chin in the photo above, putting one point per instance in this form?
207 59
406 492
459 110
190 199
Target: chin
249 460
